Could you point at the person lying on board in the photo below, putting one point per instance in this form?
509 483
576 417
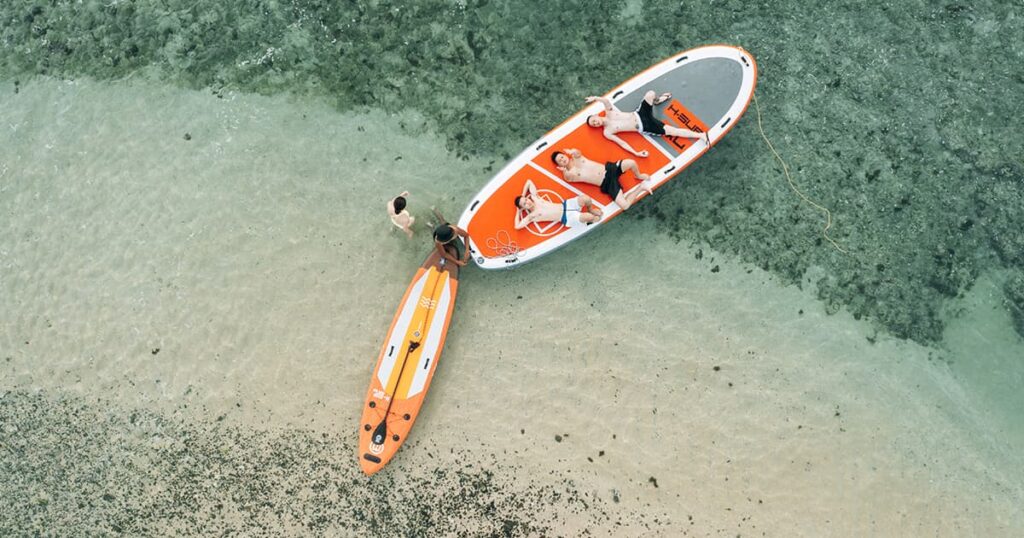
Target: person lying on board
399 216
642 120
575 167
578 211
447 242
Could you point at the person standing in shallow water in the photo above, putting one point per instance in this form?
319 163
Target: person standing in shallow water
451 241
399 216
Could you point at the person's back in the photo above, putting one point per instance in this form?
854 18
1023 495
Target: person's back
450 241
399 216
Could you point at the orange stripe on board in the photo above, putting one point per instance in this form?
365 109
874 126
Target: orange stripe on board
680 116
429 302
414 333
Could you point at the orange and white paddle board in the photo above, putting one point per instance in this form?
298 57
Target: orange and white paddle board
407 362
711 88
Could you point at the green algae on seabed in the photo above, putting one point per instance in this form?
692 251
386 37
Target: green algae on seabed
901 118
79 468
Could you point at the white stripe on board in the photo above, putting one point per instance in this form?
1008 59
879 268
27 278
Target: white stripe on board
397 336
432 346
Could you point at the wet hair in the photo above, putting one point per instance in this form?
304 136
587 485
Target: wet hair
554 156
399 202
444 233
517 201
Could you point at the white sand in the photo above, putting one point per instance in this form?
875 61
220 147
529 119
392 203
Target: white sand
258 259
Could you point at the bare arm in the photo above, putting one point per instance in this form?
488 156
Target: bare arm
521 221
573 154
465 243
623 144
604 101
444 252
391 202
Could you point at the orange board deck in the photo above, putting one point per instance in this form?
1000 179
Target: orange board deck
711 88
407 361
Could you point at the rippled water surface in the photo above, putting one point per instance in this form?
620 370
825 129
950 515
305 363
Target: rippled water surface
197 274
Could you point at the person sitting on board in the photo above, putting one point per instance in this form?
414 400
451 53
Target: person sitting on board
642 120
575 167
574 212
399 216
447 242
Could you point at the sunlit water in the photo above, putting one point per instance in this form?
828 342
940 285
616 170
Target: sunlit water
193 283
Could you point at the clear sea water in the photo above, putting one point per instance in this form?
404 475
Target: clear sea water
196 274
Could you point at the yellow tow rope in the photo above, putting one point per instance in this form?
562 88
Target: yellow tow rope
828 214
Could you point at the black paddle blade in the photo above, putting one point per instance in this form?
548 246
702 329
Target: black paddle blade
380 433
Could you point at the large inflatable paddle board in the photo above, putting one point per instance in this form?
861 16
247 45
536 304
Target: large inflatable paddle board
711 88
407 362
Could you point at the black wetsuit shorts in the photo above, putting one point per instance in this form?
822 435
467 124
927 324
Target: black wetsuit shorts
610 184
648 123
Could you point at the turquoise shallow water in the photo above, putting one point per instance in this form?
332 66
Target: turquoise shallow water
191 322
192 306
898 117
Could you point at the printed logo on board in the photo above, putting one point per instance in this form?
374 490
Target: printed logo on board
681 117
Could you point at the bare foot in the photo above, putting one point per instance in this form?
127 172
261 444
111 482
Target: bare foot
662 98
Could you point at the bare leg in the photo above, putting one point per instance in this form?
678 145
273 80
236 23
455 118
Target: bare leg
629 165
655 101
686 133
625 200
591 209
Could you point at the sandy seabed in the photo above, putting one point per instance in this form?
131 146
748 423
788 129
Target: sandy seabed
195 288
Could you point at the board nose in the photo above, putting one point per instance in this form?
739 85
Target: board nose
370 464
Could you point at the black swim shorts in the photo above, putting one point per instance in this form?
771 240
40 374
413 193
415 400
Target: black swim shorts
648 123
610 183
